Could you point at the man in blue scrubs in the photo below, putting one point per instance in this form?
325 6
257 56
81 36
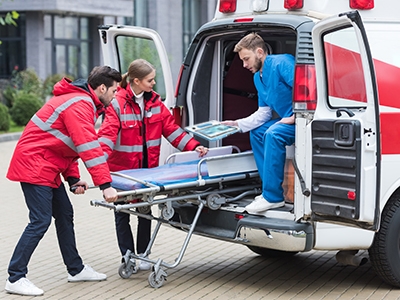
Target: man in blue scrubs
272 125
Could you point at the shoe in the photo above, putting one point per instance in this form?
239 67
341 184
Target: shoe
87 274
260 204
144 265
23 287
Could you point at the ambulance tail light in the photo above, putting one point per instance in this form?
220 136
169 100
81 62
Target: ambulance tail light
362 4
293 4
304 88
227 6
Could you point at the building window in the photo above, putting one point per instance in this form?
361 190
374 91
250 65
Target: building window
12 47
68 38
140 13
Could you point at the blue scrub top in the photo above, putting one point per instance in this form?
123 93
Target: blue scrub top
275 86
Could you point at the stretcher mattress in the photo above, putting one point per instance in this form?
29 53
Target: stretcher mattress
162 175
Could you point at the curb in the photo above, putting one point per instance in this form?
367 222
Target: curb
10 137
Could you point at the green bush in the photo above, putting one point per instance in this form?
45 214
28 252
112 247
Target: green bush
4 118
24 107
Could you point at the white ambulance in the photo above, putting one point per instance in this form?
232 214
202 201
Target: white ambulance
345 194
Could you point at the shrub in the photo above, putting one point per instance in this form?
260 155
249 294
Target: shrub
29 82
4 118
25 106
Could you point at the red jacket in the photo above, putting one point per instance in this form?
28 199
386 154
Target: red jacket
57 135
125 137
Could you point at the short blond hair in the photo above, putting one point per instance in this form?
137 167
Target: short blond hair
252 41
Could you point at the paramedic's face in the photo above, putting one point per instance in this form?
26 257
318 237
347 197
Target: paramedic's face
107 93
147 83
251 60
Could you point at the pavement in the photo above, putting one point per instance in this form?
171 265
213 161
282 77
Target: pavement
210 269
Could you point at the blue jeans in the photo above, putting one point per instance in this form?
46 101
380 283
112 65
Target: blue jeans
269 143
44 203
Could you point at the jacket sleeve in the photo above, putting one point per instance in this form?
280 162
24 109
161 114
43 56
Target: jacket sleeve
178 138
109 130
79 121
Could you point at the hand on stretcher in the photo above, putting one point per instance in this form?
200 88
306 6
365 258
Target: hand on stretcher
109 194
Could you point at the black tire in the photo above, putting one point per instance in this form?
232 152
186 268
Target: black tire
265 252
384 253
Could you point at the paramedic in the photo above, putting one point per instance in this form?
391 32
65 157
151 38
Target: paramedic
272 125
131 136
60 133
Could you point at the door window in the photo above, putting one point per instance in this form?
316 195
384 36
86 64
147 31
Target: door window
346 84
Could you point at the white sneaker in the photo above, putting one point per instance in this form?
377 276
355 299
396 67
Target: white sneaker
260 204
87 274
144 265
23 287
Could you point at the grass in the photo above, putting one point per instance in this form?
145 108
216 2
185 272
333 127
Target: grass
13 128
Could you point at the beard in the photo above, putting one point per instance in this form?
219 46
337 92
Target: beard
257 65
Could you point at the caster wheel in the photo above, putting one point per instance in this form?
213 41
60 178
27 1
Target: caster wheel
167 213
211 201
154 282
125 272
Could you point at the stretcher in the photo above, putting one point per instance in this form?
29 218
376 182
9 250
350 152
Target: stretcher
218 178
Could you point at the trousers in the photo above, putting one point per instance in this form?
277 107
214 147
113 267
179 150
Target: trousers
44 203
269 142
124 233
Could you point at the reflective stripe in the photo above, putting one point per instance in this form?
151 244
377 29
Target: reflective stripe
153 143
116 106
130 117
183 142
107 141
153 111
129 149
175 134
56 133
95 161
54 116
88 146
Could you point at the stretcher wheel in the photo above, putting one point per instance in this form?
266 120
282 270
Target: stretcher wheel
126 272
167 213
144 210
211 201
154 282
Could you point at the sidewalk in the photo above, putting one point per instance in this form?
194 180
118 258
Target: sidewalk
210 269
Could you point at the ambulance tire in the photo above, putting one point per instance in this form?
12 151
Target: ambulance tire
267 253
384 253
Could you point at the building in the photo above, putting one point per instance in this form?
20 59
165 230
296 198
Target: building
60 36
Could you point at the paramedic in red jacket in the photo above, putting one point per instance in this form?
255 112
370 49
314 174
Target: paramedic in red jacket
131 136
60 133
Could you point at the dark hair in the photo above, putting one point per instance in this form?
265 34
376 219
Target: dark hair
103 75
139 68
251 42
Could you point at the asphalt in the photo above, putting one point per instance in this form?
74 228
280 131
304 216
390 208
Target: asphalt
210 269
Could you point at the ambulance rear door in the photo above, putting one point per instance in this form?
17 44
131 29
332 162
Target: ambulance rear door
345 173
123 44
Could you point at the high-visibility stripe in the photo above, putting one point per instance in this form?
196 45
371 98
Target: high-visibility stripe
130 117
107 141
175 134
129 149
153 111
95 161
88 146
153 143
184 141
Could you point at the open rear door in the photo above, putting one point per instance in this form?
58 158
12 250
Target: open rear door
123 44
345 130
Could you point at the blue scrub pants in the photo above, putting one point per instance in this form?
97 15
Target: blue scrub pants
269 143
124 233
44 203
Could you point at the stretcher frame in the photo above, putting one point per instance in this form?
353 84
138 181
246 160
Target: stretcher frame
224 172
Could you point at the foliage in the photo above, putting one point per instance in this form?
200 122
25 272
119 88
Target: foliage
9 19
27 81
49 83
4 118
24 107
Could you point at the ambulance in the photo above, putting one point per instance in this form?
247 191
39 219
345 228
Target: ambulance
343 172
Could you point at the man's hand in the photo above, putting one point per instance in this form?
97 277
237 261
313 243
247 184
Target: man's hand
80 187
287 120
230 123
110 194
202 150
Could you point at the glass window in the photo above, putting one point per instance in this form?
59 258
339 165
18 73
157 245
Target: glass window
131 48
346 82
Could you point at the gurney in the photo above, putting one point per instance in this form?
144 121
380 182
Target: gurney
218 178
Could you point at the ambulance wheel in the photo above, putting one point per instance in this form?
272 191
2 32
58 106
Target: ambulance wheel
384 253
154 282
265 252
125 272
